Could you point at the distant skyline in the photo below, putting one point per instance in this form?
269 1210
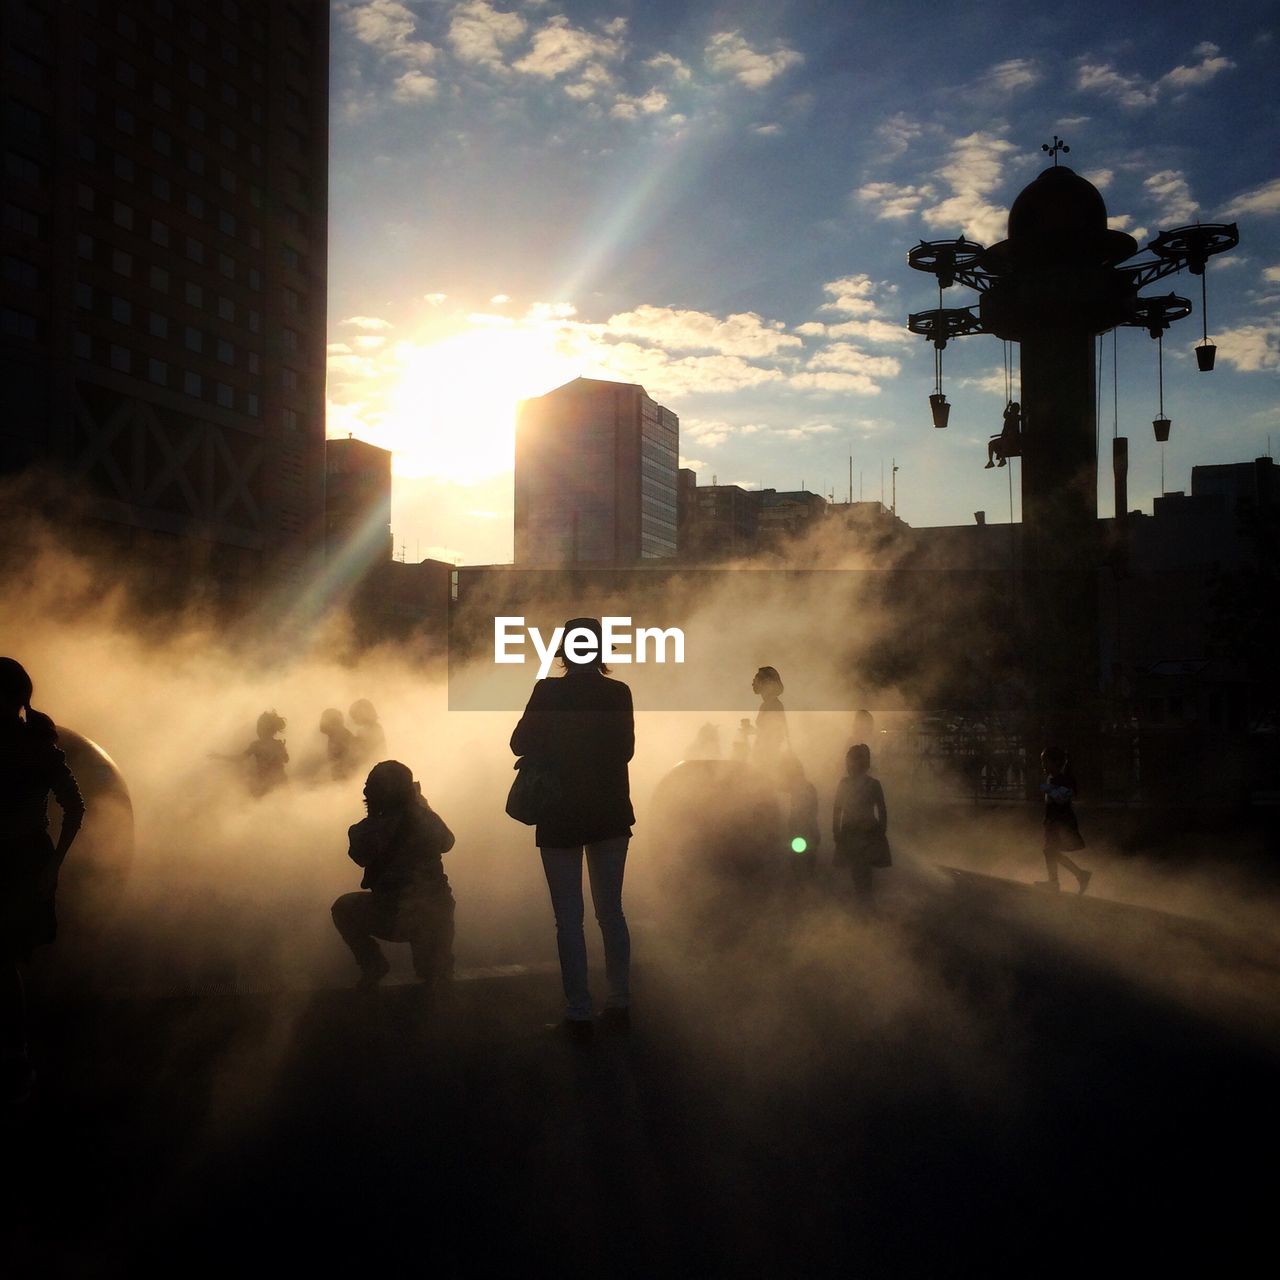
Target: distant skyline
717 202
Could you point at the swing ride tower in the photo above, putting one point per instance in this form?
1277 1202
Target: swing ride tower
1052 286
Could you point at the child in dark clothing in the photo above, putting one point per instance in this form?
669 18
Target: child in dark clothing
859 821
1061 831
399 845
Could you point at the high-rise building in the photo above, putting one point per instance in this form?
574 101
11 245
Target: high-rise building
357 507
595 477
164 238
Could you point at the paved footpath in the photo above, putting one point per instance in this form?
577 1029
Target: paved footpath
983 1082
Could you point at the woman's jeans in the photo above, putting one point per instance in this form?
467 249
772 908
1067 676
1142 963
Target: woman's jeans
606 861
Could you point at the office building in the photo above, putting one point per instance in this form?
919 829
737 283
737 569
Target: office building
595 476
164 238
357 511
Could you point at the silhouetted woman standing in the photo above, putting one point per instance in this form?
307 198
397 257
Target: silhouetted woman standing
31 766
772 739
581 729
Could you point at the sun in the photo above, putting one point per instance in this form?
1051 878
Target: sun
451 411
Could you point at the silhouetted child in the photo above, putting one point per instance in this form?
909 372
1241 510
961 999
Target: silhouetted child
1061 830
265 757
341 747
31 766
771 720
371 742
859 821
399 845
803 834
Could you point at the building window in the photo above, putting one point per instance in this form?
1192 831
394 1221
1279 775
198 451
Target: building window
226 222
230 53
125 73
126 26
23 220
227 180
195 205
159 279
225 395
251 404
289 339
227 92
121 310
200 31
292 420
161 96
157 325
193 293
122 215
193 339
226 309
161 187
159 233
196 118
226 352
124 121
255 322
161 142
18 324
291 258
21 169
289 377
192 383
82 345
158 372
255 279
88 100
196 73
87 148
252 361
84 295
195 161
84 245
120 358
84 197
122 166
194 250
226 266
255 238
292 300
20 271
121 262
163 50
228 137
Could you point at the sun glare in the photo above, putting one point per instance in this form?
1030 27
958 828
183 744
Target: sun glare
452 412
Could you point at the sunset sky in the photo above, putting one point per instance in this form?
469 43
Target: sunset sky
716 201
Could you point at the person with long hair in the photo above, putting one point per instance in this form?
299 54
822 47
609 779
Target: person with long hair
31 767
580 728
1061 830
772 738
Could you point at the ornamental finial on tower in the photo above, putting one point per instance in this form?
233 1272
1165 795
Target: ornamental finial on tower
1058 145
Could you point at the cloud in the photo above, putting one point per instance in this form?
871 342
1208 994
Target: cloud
435 299
1172 196
389 27
415 86
846 358
974 169
560 47
897 133
662 375
830 381
370 323
1251 347
1103 78
1010 76
595 78
1134 91
767 130
1123 222
1261 200
880 332
728 54
1101 178
744 334
1271 273
648 104
370 341
668 64
851 295
499 299
894 200
1187 77
478 33
691 464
